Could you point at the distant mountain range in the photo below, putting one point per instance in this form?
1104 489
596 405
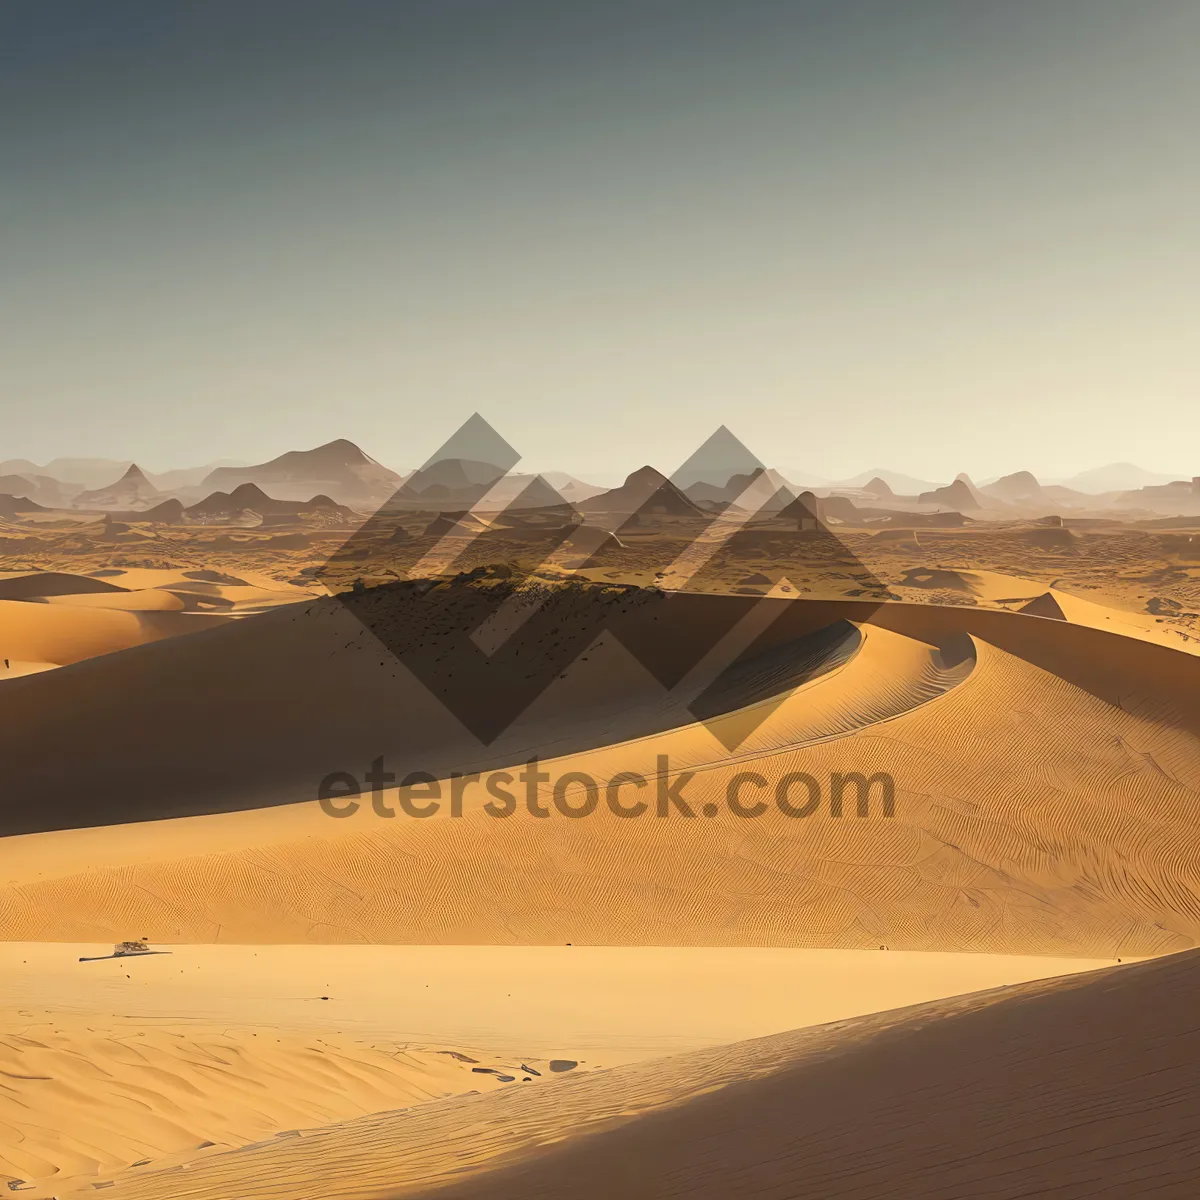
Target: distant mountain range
338 469
341 476
74 475
900 484
1116 477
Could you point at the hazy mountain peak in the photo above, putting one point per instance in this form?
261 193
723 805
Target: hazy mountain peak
338 468
1019 487
901 484
1116 477
645 475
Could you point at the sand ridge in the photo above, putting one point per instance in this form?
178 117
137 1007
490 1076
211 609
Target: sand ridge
58 634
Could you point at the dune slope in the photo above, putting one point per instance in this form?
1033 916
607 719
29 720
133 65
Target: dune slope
111 1062
292 695
1034 811
59 634
1060 1088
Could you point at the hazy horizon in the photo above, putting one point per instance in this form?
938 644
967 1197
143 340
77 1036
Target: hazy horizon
933 237
603 476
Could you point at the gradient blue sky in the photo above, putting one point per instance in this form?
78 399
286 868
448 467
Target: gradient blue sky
931 235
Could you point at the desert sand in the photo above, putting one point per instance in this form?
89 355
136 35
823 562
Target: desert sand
210 1048
369 1006
1060 1088
1004 837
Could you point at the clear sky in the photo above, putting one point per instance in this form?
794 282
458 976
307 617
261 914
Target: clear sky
935 235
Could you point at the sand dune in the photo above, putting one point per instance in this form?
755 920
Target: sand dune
33 585
249 688
992 586
92 1096
13 668
1062 605
80 617
60 634
1044 791
147 600
1035 781
209 1048
1060 1088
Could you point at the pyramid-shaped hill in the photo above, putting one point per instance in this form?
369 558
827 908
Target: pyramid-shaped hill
646 492
961 496
133 492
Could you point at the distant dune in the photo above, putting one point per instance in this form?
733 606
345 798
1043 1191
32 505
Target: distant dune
57 635
53 618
